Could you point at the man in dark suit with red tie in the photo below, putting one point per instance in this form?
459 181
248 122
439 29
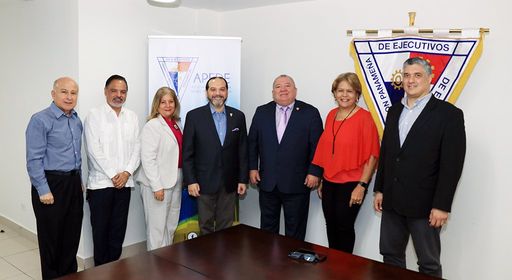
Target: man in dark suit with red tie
215 157
282 141
421 160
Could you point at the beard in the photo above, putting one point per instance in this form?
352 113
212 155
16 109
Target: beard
217 102
116 102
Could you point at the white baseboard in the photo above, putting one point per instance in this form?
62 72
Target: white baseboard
19 229
83 263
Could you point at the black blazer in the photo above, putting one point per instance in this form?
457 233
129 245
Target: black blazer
424 172
285 164
208 163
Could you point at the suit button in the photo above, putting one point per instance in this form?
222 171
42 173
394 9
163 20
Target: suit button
397 159
395 179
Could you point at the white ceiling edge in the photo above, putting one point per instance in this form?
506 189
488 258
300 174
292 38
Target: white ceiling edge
230 5
215 5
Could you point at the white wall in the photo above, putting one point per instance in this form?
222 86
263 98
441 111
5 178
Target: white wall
113 40
90 40
39 42
307 40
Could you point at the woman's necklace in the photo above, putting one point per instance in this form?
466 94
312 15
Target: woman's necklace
338 130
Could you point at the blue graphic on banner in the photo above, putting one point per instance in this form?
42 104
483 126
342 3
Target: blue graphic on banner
174 79
188 205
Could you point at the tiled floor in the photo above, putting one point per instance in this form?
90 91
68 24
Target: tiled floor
19 257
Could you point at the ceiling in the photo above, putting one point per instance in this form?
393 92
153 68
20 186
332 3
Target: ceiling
216 5
229 5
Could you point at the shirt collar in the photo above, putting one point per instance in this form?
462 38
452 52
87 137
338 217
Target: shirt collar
290 106
212 109
109 109
418 102
168 121
58 112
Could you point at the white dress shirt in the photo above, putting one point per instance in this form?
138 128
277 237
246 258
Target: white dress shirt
112 145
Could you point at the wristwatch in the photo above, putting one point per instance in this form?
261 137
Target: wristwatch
363 184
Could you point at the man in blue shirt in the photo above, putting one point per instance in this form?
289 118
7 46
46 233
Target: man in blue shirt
421 160
53 139
215 165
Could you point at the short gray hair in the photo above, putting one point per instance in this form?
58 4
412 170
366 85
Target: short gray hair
283 76
420 61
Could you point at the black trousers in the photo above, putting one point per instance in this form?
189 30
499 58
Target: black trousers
339 217
216 211
109 216
395 230
59 225
295 207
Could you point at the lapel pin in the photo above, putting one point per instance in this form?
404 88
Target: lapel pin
230 114
297 108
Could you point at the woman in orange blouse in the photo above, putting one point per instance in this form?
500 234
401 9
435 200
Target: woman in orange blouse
347 151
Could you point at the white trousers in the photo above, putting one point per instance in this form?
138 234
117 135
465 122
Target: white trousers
161 216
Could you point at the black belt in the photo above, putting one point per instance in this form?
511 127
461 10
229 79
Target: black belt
73 172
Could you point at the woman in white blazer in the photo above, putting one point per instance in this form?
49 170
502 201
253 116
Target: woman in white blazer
160 176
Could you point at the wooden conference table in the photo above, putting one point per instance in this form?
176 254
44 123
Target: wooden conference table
243 252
